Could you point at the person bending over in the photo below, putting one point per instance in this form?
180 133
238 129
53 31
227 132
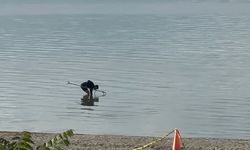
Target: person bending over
88 87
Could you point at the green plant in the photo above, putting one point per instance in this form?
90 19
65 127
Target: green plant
57 142
24 142
5 144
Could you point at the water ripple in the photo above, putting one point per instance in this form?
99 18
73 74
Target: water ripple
159 73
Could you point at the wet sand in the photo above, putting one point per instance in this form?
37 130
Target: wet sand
117 142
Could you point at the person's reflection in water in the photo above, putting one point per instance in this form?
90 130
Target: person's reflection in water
89 101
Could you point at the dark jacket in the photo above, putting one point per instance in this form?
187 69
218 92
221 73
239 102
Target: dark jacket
88 84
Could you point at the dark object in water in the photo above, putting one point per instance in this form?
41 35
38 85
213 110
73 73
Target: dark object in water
86 101
96 87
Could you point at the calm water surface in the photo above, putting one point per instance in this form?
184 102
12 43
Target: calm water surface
159 71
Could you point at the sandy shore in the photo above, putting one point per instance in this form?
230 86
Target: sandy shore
117 142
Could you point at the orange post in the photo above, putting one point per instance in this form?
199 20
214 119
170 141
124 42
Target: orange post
177 140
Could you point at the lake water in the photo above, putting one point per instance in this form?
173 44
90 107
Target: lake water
160 72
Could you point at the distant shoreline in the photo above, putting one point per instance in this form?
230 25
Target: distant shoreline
120 142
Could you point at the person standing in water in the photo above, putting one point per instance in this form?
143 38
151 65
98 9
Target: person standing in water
88 87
